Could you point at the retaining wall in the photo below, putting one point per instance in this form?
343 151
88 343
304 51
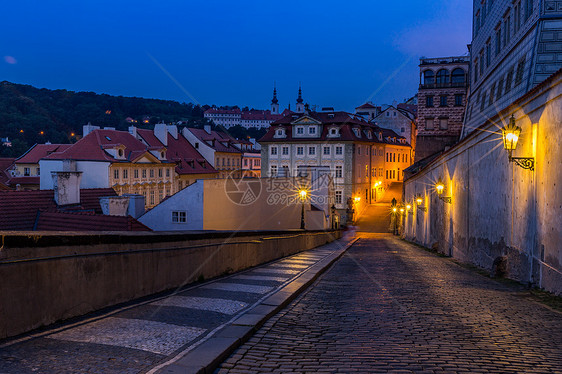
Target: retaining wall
47 277
497 208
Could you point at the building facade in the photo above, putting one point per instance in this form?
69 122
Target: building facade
358 154
515 46
441 103
399 120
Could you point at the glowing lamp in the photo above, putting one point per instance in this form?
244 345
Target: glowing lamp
357 199
510 134
394 209
302 194
439 187
408 207
401 210
419 200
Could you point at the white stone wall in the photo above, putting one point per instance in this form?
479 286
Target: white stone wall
498 208
95 174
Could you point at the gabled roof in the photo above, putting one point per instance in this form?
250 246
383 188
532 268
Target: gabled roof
217 140
366 106
260 115
53 220
38 151
91 147
402 112
188 160
18 209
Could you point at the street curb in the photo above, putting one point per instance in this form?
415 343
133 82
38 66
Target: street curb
205 358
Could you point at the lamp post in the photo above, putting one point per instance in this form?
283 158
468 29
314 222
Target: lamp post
440 187
510 134
302 194
419 202
333 209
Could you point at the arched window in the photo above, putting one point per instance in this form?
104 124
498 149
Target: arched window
442 77
428 77
457 76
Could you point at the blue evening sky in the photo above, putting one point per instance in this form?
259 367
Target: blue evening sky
230 52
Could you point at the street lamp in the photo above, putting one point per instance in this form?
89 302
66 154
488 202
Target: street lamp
333 208
510 134
440 187
419 202
302 194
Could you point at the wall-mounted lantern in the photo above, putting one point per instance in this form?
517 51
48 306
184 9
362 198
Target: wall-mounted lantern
440 187
510 134
419 202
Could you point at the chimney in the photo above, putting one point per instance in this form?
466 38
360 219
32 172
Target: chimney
86 129
161 132
114 205
173 130
136 205
207 129
69 165
133 131
66 185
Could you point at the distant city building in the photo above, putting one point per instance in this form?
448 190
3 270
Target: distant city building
26 170
401 121
441 103
357 154
251 164
515 46
368 110
5 142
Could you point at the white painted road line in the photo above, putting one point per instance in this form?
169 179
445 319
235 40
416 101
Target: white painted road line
151 336
203 303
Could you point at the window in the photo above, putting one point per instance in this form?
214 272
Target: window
387 174
500 87
38 171
402 129
442 77
358 149
167 172
273 151
428 77
488 53
339 171
457 77
160 173
273 171
246 162
429 123
429 101
517 15
300 130
443 123
482 61
326 151
179 217
311 151
285 151
475 70
333 131
151 197
483 102
300 151
508 80
491 98
339 150
116 174
312 130
144 173
443 100
339 197
520 71
26 172
387 156
151 173
458 100
280 132
506 35
394 157
528 9
136 173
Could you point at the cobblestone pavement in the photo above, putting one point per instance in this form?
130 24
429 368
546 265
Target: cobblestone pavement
136 338
387 306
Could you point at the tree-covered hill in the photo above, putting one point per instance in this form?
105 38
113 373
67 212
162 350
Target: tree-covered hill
30 115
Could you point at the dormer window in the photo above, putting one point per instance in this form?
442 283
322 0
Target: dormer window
380 136
120 153
280 133
300 130
312 130
162 155
356 132
369 134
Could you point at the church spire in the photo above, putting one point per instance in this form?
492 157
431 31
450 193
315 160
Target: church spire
299 99
274 101
300 105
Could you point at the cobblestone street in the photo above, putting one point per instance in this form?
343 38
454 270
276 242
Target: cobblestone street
387 306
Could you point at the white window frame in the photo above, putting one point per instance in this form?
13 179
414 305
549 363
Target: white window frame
179 216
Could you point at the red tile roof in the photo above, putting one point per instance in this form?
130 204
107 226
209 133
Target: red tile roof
217 140
345 121
83 221
188 160
148 136
366 106
260 115
18 209
24 181
91 147
38 151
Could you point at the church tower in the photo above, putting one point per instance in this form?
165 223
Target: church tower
274 102
300 104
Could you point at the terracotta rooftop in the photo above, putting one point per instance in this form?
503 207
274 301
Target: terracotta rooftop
48 220
366 106
5 164
217 140
19 209
38 151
